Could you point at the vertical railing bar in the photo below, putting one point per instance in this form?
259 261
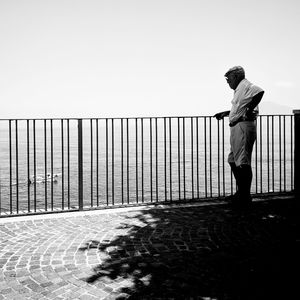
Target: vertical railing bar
62 166
205 157
261 151
218 148
151 187
142 156
178 148
10 166
223 157
156 159
284 154
34 164
112 162
231 183
165 157
0 191
97 161
197 150
273 154
92 162
45 164
106 152
279 125
256 142
28 166
192 154
68 160
17 167
80 165
183 159
210 157
127 134
292 157
136 162
268 148
51 132
122 160
170 155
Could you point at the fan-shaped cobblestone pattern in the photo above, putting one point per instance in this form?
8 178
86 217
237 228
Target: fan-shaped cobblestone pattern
175 252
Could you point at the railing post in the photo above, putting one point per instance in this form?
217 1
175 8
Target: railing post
297 152
80 166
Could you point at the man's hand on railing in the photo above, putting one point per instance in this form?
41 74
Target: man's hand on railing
221 115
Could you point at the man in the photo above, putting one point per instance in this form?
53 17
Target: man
242 122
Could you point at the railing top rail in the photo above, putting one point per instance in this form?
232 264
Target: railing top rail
125 118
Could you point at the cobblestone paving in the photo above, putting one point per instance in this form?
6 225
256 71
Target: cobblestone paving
170 252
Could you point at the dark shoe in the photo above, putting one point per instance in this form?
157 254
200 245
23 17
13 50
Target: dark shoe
232 198
239 202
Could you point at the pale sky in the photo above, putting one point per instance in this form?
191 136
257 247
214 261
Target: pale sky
133 58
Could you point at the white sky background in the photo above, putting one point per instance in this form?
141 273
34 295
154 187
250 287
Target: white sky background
121 58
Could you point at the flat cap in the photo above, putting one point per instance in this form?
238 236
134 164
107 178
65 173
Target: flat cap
237 69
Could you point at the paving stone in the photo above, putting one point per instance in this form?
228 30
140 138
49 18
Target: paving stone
87 297
6 291
171 252
46 284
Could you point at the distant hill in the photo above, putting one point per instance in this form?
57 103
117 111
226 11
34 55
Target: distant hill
272 108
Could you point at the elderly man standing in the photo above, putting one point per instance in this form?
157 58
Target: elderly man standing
242 122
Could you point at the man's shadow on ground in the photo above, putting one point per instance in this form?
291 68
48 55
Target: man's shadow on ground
201 252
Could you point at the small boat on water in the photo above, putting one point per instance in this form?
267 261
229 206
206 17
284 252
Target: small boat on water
43 179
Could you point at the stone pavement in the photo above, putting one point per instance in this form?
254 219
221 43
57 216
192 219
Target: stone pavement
194 251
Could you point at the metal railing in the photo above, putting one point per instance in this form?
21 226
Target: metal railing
70 164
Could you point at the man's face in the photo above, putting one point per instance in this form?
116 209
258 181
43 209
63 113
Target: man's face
232 80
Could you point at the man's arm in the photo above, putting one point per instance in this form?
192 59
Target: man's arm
222 114
255 101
